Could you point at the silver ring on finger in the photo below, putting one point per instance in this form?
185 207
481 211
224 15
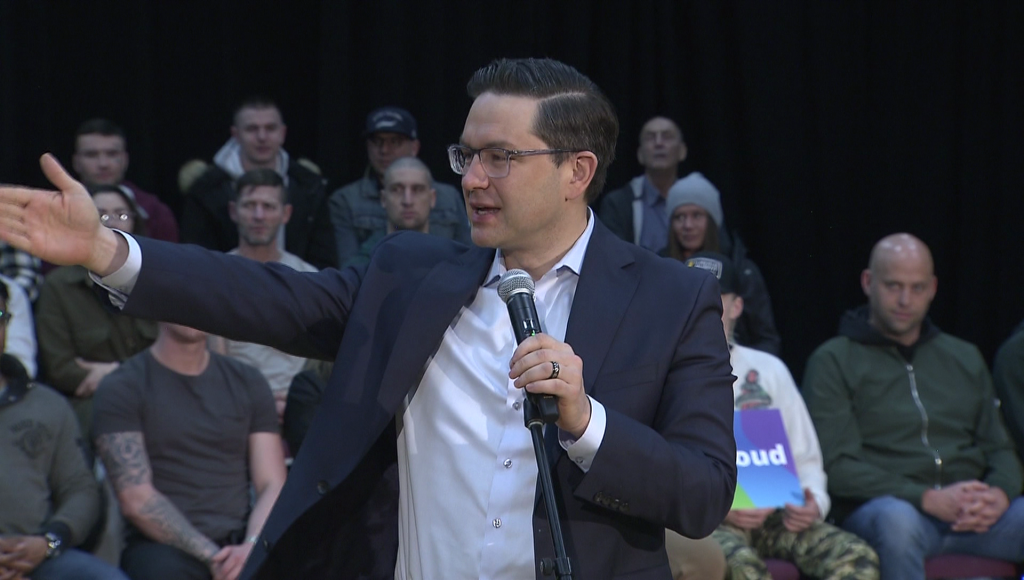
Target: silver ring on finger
554 370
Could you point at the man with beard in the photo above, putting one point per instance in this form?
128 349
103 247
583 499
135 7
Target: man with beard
260 210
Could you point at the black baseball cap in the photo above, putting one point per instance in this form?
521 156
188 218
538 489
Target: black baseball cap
391 120
718 264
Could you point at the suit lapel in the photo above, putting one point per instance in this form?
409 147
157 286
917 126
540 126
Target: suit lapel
445 290
603 293
605 289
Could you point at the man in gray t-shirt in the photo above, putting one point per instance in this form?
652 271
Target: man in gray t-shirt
182 431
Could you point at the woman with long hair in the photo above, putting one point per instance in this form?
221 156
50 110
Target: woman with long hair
694 208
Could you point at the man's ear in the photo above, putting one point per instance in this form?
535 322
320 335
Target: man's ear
737 307
433 197
284 132
584 166
865 281
233 211
234 132
126 161
286 213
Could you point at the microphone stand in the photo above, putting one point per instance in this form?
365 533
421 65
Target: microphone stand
532 417
516 290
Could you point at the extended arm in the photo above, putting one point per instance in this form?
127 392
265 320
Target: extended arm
124 455
61 227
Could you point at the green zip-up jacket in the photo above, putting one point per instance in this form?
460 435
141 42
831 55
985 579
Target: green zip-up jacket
895 420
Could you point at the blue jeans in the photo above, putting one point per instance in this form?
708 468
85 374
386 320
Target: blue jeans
76 565
904 537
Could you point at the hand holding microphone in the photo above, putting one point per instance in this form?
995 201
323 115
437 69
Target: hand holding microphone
547 368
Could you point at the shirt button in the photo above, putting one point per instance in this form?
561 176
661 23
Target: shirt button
496 523
507 463
322 487
579 460
516 405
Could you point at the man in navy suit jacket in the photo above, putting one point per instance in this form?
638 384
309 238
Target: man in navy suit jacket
643 369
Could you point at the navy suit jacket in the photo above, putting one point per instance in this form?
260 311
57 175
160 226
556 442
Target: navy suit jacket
648 330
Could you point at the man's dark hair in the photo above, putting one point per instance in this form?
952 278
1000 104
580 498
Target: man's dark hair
259 178
256 102
99 126
572 114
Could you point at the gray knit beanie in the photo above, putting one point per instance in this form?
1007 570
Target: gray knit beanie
695 189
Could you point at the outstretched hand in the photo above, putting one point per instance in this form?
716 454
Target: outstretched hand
61 227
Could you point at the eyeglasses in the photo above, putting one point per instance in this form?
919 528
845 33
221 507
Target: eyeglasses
495 160
5 318
122 217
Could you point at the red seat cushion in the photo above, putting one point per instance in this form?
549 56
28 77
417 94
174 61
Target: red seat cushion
782 570
965 566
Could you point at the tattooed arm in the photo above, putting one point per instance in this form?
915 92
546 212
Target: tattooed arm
124 456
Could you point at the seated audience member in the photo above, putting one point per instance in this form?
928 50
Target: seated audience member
690 559
636 211
1008 377
49 500
694 208
796 532
22 267
257 139
21 330
182 432
407 195
101 158
918 460
80 341
304 396
260 210
356 210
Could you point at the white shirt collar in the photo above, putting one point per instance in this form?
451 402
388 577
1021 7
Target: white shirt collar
572 260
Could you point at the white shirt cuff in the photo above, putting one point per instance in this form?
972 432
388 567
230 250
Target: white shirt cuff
583 450
121 282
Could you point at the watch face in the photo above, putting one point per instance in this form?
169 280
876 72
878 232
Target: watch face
53 543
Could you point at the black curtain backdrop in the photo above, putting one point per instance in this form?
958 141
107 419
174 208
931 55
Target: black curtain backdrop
826 125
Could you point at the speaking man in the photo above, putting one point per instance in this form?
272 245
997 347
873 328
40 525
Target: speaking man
424 468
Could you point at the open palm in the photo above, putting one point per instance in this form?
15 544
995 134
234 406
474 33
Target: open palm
61 227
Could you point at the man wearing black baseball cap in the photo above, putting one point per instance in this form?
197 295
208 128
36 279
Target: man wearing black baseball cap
356 210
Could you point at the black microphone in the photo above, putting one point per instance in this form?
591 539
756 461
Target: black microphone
516 290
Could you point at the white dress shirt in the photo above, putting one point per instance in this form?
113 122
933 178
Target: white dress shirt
467 467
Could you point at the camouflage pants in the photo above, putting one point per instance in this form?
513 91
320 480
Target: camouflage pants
822 551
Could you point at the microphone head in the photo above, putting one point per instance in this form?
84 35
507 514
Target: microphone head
513 282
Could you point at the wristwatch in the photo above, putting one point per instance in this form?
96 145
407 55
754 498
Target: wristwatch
53 545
